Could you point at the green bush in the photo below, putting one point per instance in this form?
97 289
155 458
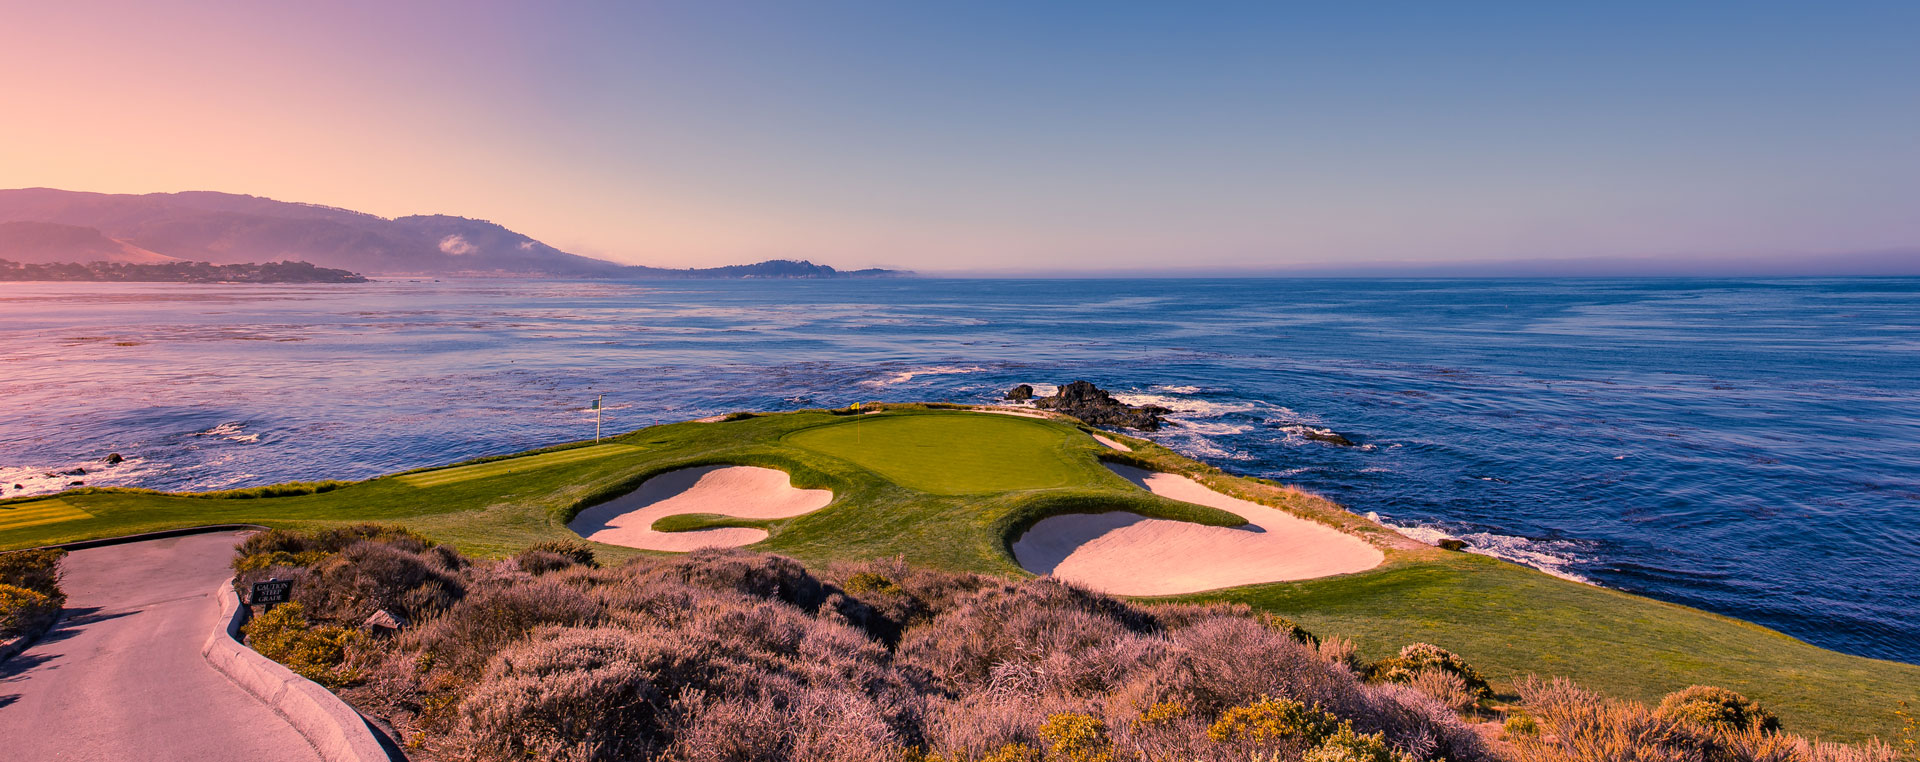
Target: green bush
289 489
1421 657
36 570
271 559
316 653
1272 720
1344 745
1288 627
577 551
22 609
1076 737
1519 723
863 583
1717 708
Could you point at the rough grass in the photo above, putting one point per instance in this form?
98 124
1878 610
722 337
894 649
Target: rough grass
1507 620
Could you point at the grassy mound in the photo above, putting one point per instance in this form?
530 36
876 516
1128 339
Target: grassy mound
953 455
955 508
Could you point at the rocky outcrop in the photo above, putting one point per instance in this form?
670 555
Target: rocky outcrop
1325 436
1083 400
1020 393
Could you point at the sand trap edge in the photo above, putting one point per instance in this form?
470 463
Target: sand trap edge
748 492
1125 553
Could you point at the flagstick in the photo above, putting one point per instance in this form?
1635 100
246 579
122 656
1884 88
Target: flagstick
598 411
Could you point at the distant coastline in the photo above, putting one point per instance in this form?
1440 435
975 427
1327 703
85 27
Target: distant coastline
176 272
58 229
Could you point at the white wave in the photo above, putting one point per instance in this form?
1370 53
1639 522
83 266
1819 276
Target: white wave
1209 428
45 481
1190 407
235 432
904 376
1555 558
1178 389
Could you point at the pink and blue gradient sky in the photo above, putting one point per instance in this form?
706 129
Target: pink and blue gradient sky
1000 136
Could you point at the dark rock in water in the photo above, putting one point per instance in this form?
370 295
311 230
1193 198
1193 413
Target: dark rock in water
76 484
1021 393
75 472
1452 544
1325 435
114 459
1083 400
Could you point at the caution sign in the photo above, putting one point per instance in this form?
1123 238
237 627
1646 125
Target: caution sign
271 592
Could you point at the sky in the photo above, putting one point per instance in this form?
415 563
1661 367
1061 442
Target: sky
1007 136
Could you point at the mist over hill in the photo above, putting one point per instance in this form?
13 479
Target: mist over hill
44 225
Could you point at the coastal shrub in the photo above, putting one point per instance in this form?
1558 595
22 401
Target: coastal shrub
1421 657
1519 723
768 577
1014 624
317 653
577 551
331 540
1344 745
22 610
1577 726
1076 737
1343 653
870 583
370 576
1288 628
465 637
732 655
584 694
541 561
1272 723
1446 688
289 489
36 570
278 558
1718 707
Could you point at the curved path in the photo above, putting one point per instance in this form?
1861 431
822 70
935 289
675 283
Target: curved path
122 677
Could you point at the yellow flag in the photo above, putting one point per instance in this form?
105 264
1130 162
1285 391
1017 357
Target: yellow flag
856 406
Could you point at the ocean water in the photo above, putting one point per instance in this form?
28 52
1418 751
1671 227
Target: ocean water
1747 447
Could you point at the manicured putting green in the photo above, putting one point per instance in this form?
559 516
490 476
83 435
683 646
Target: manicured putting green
21 515
441 476
952 454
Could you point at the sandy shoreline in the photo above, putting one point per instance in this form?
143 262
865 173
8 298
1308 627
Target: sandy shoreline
1129 554
747 492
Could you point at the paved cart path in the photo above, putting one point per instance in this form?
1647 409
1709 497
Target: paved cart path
122 678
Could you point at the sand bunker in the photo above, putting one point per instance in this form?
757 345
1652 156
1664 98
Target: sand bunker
1017 411
1129 554
1108 441
747 492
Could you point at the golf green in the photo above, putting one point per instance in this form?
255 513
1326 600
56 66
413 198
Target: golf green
954 453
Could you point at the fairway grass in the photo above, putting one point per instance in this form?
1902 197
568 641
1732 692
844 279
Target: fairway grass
953 454
440 476
37 513
957 504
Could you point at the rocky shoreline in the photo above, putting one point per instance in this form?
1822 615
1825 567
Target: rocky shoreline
1083 400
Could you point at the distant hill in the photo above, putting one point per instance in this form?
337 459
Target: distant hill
225 228
48 242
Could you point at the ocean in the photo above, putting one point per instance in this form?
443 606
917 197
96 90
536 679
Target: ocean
1749 447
